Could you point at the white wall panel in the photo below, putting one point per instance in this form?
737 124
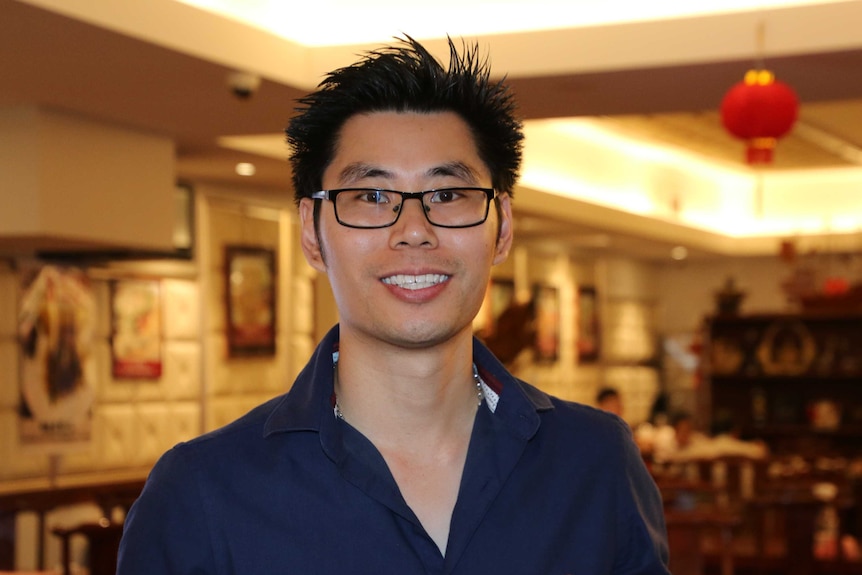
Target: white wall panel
144 390
81 459
637 386
8 303
150 435
302 306
113 431
18 461
181 373
223 410
217 373
214 303
181 310
277 379
301 348
8 374
184 421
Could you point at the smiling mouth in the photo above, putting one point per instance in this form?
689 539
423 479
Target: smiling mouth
415 282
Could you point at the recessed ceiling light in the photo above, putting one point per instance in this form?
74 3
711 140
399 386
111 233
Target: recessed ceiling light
245 169
679 253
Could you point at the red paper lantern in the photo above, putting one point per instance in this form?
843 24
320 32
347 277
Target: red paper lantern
759 110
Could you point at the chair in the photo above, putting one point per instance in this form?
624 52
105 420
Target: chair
103 543
696 523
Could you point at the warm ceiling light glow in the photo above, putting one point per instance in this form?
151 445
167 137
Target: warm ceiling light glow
344 22
245 169
679 253
583 160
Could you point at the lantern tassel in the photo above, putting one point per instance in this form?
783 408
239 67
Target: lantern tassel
760 150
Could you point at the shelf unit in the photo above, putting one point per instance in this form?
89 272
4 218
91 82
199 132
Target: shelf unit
794 381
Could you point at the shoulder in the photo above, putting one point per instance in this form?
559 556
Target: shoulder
240 435
570 411
588 427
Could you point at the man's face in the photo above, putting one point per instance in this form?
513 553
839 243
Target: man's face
372 271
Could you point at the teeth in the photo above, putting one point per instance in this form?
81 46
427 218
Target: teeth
415 282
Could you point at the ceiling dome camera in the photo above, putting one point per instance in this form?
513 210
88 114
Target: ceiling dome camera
243 85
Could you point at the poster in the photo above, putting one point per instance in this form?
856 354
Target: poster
56 323
136 336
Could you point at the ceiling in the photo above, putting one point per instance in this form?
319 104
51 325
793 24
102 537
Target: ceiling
162 68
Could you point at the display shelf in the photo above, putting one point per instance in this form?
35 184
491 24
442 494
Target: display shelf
794 381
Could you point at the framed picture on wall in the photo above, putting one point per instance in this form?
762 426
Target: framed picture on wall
588 338
250 280
136 329
547 313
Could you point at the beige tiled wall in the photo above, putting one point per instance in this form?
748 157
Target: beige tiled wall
133 421
233 386
628 328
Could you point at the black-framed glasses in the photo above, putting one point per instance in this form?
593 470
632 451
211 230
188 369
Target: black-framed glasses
368 208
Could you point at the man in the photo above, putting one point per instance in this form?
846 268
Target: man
404 446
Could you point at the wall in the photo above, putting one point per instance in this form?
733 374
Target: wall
630 334
688 295
46 179
626 300
133 420
232 386
688 289
201 388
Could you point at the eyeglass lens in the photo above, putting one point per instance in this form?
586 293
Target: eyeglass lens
452 207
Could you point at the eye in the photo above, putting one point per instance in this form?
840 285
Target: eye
372 196
446 196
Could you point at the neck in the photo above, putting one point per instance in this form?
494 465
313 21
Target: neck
407 396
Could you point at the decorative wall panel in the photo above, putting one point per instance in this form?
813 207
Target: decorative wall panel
302 307
17 462
638 387
8 373
181 310
150 435
8 304
184 421
114 433
181 377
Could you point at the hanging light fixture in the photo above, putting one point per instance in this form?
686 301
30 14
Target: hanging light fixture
759 110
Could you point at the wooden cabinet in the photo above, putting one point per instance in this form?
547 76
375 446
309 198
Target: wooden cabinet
794 381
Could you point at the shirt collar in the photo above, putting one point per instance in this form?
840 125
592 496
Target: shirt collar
308 404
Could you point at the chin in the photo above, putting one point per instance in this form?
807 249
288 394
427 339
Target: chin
422 335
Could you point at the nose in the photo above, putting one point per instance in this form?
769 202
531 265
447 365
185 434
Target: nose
413 227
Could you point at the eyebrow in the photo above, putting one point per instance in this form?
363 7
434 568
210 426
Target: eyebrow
456 169
360 170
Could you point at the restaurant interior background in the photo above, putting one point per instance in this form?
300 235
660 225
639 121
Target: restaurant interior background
144 176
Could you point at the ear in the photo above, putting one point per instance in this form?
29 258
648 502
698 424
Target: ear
309 238
504 239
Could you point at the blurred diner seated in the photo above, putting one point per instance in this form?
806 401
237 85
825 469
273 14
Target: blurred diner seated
609 399
681 441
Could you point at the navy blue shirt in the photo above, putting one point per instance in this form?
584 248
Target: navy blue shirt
549 488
